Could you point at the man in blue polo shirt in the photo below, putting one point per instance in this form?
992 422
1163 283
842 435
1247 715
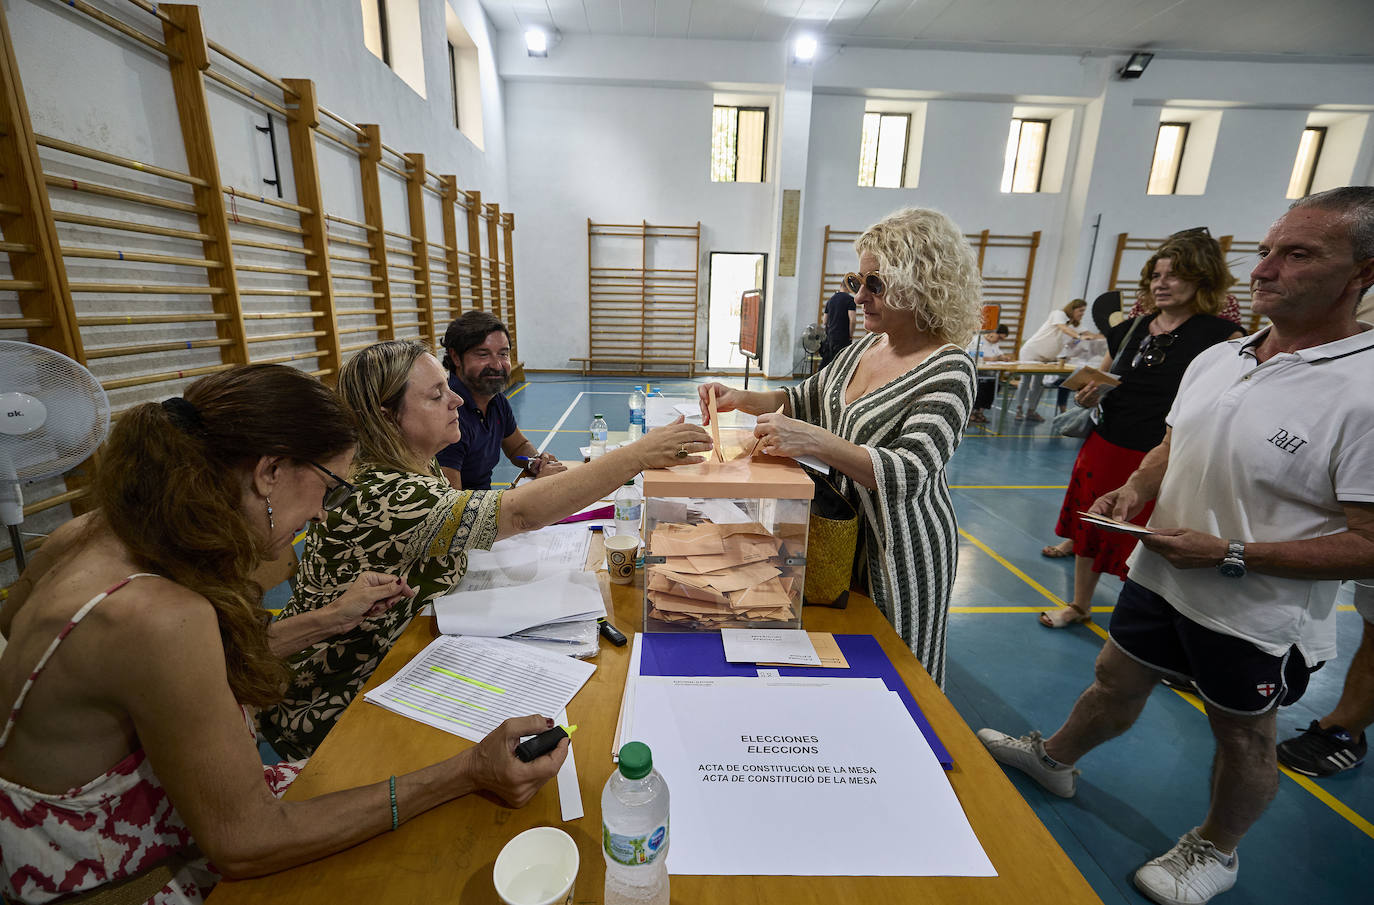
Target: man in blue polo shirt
477 356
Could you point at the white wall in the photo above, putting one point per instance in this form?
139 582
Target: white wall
619 129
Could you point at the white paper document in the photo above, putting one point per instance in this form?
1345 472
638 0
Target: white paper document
790 646
803 782
565 596
469 686
527 557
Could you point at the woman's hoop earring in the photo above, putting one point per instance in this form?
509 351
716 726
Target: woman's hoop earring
271 523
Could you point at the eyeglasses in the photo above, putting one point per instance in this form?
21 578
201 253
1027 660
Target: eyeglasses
335 496
872 280
1151 351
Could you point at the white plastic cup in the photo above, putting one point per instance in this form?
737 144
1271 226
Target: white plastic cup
537 867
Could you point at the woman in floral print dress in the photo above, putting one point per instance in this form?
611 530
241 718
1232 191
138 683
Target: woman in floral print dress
406 520
136 637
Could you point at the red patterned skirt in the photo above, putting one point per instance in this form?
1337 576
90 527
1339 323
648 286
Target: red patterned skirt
1101 466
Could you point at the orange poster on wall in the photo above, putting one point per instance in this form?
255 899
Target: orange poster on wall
751 324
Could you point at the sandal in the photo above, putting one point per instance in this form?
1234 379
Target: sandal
977 418
1064 617
1054 551
1035 416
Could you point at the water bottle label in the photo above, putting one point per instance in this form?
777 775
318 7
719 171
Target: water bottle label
599 435
634 850
627 511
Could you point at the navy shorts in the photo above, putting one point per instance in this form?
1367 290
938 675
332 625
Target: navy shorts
1230 673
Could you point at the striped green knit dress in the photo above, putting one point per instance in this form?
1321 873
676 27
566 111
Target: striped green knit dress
910 428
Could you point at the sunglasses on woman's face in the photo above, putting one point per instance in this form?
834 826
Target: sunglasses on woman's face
872 281
334 496
1151 351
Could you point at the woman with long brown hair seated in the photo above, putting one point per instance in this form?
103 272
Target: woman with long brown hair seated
406 519
136 638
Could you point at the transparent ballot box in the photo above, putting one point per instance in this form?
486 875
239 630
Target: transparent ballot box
725 545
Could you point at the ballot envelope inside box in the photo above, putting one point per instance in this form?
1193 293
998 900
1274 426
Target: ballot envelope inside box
725 542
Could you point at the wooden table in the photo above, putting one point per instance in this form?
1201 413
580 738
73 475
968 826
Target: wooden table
447 854
1004 369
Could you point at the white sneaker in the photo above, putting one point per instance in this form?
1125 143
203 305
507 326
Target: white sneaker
1027 754
1190 873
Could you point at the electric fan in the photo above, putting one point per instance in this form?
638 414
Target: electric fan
811 344
53 415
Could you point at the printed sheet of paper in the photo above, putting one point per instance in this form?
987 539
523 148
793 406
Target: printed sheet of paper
792 647
808 781
565 596
529 557
468 686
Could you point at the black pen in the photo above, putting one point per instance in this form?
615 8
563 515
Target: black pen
543 743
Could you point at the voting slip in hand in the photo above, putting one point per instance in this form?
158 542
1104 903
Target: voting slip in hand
1107 523
1086 375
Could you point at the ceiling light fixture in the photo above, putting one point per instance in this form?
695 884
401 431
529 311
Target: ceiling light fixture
804 49
1135 66
537 42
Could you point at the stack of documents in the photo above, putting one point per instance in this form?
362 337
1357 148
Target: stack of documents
716 574
468 686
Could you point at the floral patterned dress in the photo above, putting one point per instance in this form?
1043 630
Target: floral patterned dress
399 523
111 829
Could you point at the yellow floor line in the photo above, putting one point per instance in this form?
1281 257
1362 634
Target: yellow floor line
1325 797
1008 487
512 395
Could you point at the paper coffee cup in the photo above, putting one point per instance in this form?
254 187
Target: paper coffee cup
621 552
537 867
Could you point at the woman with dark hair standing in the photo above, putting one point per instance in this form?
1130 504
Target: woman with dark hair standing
406 519
136 638
1186 282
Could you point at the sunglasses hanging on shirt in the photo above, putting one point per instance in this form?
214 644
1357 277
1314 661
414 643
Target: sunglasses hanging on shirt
1153 349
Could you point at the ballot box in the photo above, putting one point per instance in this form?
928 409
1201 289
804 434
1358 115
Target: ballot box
725 544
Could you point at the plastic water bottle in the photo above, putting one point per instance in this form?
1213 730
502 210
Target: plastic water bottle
634 830
628 507
637 403
598 432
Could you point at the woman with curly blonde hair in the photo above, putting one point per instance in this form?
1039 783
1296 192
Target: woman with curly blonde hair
887 414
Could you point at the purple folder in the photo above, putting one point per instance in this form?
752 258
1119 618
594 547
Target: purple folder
703 654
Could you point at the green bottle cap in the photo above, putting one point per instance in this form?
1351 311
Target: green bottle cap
595 416
635 760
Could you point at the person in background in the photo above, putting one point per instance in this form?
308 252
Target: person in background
987 347
137 639
477 358
1186 280
839 325
1044 346
405 519
1088 349
1264 481
889 412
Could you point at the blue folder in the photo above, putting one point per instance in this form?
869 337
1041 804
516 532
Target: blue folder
703 654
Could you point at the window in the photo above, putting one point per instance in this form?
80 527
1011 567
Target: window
1024 163
882 149
1170 141
391 31
375 34
739 136
453 83
1305 165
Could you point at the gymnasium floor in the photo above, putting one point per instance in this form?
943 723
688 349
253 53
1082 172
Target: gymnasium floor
1137 794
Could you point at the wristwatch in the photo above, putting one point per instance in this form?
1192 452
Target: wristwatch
1232 565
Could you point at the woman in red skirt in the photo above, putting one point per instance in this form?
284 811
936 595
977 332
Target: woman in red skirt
1186 281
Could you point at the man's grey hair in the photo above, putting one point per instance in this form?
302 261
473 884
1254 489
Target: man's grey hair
1356 202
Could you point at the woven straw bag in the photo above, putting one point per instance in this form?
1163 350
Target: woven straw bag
832 536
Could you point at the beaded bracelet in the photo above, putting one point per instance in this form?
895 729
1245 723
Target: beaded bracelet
395 815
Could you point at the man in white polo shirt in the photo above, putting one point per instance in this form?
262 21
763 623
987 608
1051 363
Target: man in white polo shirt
1264 501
